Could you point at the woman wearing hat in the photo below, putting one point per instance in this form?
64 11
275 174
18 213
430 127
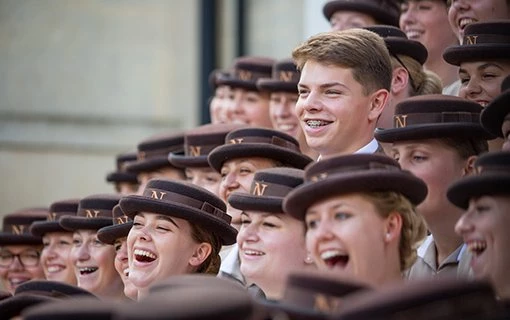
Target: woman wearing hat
496 117
19 249
57 242
360 217
427 22
246 104
217 103
347 14
271 243
178 228
484 61
93 260
437 138
125 182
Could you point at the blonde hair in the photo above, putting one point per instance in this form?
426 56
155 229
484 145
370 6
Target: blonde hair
413 229
421 81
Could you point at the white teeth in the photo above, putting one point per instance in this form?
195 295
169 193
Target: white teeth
52 269
17 281
253 253
87 270
286 127
483 104
465 21
144 253
316 123
477 246
330 254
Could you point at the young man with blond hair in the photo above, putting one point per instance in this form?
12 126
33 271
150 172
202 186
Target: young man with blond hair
343 88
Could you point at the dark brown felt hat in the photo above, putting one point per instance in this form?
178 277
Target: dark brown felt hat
16 226
445 298
482 41
120 174
153 152
349 174
398 43
383 11
259 142
77 308
199 142
434 116
214 76
285 78
196 280
492 178
121 224
186 201
246 71
12 307
94 213
268 189
494 114
58 209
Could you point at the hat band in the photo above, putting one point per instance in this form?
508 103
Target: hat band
55 216
274 140
94 213
350 169
480 170
200 150
317 301
247 75
405 120
286 76
149 154
166 196
17 229
473 39
267 189
121 220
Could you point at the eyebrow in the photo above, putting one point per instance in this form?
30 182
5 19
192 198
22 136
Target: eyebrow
166 218
482 67
327 85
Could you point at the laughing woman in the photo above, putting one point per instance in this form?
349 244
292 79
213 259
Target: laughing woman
360 216
93 260
178 228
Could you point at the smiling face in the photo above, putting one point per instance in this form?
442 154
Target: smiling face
15 274
270 247
334 112
122 267
160 246
206 178
343 20
283 115
346 234
481 80
55 257
94 265
484 228
464 12
218 105
248 107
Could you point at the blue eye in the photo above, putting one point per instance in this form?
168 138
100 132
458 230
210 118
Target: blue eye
342 216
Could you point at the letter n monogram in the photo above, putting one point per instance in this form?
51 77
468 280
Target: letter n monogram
122 220
157 195
259 189
18 229
91 213
52 216
471 39
245 75
236 141
194 151
401 121
323 303
286 76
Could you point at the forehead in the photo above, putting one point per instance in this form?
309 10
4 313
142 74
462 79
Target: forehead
17 248
338 201
319 72
255 161
473 66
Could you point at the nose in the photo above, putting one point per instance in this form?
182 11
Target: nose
234 107
311 103
464 226
16 264
407 18
322 231
122 255
231 182
81 253
248 233
460 5
471 89
49 252
283 109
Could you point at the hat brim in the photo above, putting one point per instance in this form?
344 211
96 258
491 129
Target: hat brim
381 16
148 165
40 228
81 223
410 48
19 239
131 205
111 233
455 55
243 201
463 190
227 152
236 83
433 131
292 311
298 200
13 306
271 85
493 116
118 177
182 161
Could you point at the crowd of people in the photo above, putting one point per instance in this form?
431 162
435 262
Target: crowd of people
365 176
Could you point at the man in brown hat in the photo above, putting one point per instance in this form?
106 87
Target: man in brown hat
343 88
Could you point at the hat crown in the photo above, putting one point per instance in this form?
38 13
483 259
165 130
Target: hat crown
98 206
285 71
262 135
276 182
125 158
385 11
386 31
63 208
18 223
493 163
118 216
202 140
498 27
160 145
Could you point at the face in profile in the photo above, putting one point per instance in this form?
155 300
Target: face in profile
343 20
218 106
481 80
19 264
122 267
282 107
55 259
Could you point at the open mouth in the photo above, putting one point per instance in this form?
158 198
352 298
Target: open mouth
477 247
314 124
253 253
413 33
335 258
464 22
144 256
15 282
87 270
55 268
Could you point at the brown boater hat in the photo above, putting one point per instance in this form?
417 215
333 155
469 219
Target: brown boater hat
246 71
121 175
57 210
349 174
196 280
285 78
214 76
121 224
482 41
198 142
268 189
383 11
434 116
398 43
153 152
259 142
94 212
16 226
314 295
79 308
494 114
185 201
492 178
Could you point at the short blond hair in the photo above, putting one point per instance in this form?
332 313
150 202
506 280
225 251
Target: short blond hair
362 51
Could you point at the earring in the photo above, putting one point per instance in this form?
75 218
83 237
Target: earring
308 260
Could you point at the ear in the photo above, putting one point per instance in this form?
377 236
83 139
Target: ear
399 80
379 100
469 167
392 227
202 251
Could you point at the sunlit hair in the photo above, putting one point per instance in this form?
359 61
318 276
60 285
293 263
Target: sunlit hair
211 265
421 81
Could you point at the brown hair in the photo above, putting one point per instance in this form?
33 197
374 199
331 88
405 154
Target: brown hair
421 81
362 51
211 265
465 147
413 230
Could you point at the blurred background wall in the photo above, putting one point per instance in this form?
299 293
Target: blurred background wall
83 80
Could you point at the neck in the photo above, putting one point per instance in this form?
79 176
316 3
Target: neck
273 288
350 149
445 239
446 72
